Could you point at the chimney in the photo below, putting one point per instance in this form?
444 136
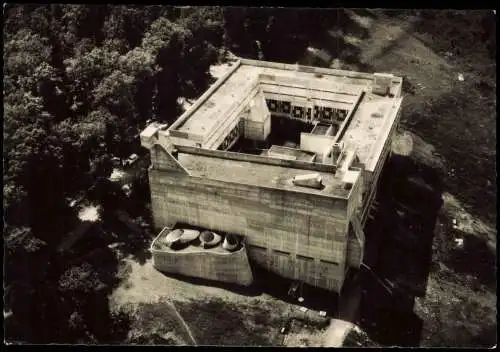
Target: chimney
382 83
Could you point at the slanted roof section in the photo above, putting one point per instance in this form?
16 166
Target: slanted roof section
258 108
277 151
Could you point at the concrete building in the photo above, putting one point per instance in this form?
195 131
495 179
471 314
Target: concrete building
287 156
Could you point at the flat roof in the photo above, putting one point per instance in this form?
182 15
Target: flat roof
366 132
216 107
338 87
264 175
365 129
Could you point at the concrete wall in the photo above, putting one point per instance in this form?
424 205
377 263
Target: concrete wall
227 267
290 222
354 250
160 159
371 178
321 145
271 92
317 272
256 130
310 69
355 202
258 120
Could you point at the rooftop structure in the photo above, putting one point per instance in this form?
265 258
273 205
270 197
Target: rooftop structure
229 163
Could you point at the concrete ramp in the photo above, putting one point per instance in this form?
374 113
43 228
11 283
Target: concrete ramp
165 160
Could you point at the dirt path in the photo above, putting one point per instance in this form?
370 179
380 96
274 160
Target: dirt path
183 322
142 285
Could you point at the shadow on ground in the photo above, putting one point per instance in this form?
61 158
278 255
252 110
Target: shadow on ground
334 43
322 29
409 199
266 282
250 291
466 118
278 287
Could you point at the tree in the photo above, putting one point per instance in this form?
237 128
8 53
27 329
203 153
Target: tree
116 93
23 55
163 41
22 248
86 72
102 166
127 24
206 33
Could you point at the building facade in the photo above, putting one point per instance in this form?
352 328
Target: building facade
231 163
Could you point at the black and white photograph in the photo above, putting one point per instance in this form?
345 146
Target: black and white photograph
249 176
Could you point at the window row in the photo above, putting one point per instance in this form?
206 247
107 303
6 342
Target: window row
318 112
231 137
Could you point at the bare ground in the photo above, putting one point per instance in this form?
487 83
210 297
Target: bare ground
145 292
302 335
145 286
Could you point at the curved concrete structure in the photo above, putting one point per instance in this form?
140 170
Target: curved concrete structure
170 237
230 243
189 235
209 239
193 260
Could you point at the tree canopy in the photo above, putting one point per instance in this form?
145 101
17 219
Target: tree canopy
80 81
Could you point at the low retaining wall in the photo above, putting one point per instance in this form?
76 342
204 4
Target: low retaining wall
230 267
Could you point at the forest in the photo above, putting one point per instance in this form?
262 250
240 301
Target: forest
80 82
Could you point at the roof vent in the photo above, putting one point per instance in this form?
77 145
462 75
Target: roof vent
308 180
379 113
382 83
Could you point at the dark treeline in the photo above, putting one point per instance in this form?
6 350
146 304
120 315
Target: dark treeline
80 81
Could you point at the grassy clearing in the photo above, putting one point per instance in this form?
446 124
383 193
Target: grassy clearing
305 334
155 323
214 321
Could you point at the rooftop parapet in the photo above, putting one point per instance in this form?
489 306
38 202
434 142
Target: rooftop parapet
149 136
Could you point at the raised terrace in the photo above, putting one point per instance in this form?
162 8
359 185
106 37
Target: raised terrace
263 175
